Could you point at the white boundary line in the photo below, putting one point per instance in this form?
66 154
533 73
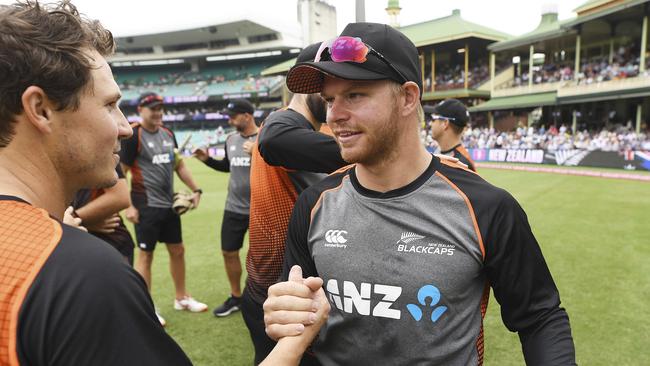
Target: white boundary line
565 171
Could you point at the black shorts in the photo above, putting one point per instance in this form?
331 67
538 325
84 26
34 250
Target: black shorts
233 230
157 225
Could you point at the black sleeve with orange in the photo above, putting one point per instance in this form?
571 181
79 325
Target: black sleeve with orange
293 144
297 250
518 273
524 287
87 306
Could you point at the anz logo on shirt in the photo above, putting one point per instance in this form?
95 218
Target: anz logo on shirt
240 161
162 159
358 300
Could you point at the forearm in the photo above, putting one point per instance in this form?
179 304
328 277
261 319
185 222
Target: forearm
299 149
287 352
186 176
114 200
222 165
549 342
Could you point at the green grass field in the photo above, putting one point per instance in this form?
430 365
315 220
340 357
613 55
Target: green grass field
594 232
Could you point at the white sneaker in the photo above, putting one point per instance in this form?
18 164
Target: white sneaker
188 303
161 319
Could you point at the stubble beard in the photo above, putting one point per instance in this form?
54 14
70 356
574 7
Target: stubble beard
380 146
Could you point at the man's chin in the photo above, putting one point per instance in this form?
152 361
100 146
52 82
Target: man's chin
108 183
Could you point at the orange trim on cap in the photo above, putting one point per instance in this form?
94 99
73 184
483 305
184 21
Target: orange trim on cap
471 210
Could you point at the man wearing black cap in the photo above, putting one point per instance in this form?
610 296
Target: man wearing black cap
293 153
151 158
406 243
448 121
234 224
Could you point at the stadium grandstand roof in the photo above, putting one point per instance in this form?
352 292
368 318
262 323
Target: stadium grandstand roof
549 27
219 39
595 9
279 69
449 28
517 101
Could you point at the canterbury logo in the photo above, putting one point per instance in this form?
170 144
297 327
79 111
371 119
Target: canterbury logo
409 237
336 236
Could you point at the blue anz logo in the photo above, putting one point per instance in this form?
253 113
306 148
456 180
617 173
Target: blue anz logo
427 292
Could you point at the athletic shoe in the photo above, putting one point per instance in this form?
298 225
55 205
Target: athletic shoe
231 305
188 303
161 319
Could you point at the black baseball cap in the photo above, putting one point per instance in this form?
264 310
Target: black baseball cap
308 53
149 100
397 49
238 106
452 109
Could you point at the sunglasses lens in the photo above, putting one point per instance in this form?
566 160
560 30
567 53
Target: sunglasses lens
348 49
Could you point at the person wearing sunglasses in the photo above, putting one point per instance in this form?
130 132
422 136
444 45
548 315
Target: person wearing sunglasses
448 120
407 243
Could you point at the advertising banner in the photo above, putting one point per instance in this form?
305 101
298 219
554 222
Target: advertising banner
628 160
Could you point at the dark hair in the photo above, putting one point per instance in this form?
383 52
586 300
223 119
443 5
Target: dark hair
45 46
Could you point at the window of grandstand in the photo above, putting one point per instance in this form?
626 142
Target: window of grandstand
135 51
223 43
185 47
263 38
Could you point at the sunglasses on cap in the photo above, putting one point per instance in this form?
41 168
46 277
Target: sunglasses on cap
437 116
150 99
352 49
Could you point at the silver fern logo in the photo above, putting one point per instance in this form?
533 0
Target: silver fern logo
408 237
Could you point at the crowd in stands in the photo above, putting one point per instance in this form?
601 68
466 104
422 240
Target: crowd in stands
625 64
618 139
453 77
216 81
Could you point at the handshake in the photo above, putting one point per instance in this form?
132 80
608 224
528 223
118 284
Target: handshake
294 312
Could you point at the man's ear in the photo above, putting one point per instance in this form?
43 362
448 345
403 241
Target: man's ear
447 124
411 97
38 108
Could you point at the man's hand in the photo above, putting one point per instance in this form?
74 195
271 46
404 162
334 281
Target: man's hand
248 146
132 214
196 198
201 154
106 226
296 306
70 219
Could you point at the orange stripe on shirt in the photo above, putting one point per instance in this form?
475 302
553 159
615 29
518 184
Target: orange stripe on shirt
469 206
320 198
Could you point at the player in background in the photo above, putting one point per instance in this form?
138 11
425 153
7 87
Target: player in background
150 156
235 220
292 153
448 121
